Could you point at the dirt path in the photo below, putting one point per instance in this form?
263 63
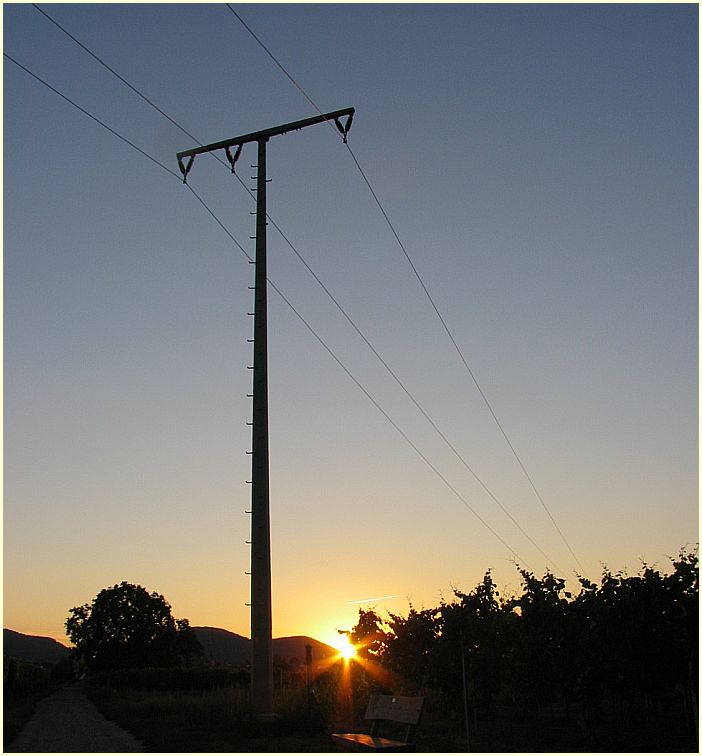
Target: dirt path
67 722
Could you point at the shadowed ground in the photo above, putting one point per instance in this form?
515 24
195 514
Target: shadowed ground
66 721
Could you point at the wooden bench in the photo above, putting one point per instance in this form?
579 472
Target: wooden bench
393 716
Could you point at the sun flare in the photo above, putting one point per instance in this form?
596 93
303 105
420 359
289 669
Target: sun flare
346 648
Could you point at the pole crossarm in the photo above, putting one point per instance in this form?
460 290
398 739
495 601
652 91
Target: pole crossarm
268 133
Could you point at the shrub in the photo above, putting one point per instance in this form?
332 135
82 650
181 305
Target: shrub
174 679
23 678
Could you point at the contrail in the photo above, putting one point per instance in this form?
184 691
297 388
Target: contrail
377 598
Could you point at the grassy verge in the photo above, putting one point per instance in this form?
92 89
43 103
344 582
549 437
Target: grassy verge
17 711
210 721
220 721
24 685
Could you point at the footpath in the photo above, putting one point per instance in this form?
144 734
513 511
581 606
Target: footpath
68 722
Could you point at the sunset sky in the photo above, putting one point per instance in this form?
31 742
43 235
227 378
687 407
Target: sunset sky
539 165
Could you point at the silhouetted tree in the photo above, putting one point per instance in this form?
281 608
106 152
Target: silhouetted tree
413 646
127 627
637 635
369 635
479 625
629 641
542 665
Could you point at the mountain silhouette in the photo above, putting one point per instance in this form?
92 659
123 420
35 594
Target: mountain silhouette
33 648
225 647
220 646
292 648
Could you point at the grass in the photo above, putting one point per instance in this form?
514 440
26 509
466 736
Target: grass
221 721
508 729
24 685
17 711
210 721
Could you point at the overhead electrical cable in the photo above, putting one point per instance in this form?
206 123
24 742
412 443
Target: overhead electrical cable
308 267
111 70
421 409
359 385
427 293
121 78
90 115
276 61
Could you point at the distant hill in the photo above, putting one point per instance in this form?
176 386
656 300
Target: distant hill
221 646
294 648
33 648
229 648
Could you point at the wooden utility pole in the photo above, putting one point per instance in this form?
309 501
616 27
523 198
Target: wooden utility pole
261 613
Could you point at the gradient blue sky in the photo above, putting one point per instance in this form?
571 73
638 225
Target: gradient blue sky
539 163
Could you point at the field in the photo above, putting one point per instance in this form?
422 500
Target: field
218 721
24 685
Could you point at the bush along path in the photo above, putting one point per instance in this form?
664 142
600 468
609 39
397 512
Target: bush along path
67 722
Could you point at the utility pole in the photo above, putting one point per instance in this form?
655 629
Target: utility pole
261 614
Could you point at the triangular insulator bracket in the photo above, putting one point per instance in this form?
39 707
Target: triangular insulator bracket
344 130
185 169
232 160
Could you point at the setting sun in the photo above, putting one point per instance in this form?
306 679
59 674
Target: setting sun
346 648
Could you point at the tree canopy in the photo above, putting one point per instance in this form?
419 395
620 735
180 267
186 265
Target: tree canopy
128 627
631 638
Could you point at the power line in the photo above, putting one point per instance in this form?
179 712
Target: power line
464 361
426 291
394 424
416 403
375 403
90 115
276 61
111 70
309 268
121 78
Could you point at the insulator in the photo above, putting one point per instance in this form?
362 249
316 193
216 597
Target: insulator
185 169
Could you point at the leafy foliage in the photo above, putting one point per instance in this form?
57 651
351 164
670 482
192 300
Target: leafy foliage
128 627
22 677
629 641
174 678
478 626
413 645
369 635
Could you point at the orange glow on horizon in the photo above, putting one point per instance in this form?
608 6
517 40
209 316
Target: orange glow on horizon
347 649
344 646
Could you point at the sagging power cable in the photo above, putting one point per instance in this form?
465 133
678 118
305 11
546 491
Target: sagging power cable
435 307
359 385
343 130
